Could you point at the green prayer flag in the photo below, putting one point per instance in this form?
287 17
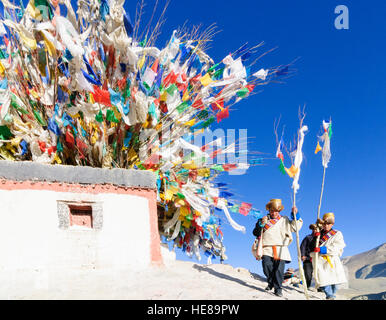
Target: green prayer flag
242 93
99 116
218 167
281 167
218 74
5 133
170 90
330 130
110 116
203 115
126 92
2 54
213 67
208 122
189 217
182 107
45 9
39 118
143 42
16 106
235 208
59 146
180 195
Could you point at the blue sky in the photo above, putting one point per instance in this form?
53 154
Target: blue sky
340 75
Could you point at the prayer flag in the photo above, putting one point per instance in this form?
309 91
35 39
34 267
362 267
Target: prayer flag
245 208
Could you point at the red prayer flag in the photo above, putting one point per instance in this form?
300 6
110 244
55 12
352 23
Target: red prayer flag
102 96
198 104
42 146
245 208
170 78
155 65
250 87
229 166
70 138
222 114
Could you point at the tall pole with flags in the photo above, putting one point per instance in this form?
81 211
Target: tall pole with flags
326 155
295 186
294 172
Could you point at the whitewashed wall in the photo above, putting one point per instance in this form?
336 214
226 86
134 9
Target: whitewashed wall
30 237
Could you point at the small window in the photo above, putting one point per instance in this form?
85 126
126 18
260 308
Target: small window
81 216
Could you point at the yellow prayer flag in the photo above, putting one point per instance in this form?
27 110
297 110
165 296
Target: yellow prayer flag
132 155
197 213
34 94
15 141
189 165
206 80
291 171
50 46
186 223
141 62
184 211
190 122
185 97
57 159
2 69
29 42
33 11
180 202
318 148
204 172
164 96
92 100
168 195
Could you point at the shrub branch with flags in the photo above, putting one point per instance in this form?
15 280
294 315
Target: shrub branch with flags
326 156
294 173
91 88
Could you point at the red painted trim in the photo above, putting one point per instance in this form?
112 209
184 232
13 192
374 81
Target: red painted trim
149 194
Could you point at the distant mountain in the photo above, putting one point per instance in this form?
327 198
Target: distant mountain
367 265
366 274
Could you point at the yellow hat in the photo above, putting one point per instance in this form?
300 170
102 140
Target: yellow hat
329 217
274 204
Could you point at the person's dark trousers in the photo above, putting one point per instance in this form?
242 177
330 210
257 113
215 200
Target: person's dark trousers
274 271
307 266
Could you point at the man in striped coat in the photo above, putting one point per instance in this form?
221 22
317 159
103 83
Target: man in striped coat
275 233
330 271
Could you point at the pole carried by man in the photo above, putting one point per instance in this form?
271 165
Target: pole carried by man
294 172
326 155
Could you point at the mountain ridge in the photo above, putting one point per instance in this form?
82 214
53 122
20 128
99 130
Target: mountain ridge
366 274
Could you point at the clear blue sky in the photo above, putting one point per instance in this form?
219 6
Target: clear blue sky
340 74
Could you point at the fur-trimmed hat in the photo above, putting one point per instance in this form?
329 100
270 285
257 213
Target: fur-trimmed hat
274 204
329 217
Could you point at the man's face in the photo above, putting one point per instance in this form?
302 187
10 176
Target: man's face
327 226
274 214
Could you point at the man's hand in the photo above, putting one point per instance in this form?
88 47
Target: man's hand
264 220
294 210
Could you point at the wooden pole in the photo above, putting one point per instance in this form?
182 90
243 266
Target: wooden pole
299 254
318 237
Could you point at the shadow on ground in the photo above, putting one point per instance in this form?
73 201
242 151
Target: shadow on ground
225 276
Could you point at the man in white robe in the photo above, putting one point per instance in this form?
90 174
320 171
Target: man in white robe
275 234
330 271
